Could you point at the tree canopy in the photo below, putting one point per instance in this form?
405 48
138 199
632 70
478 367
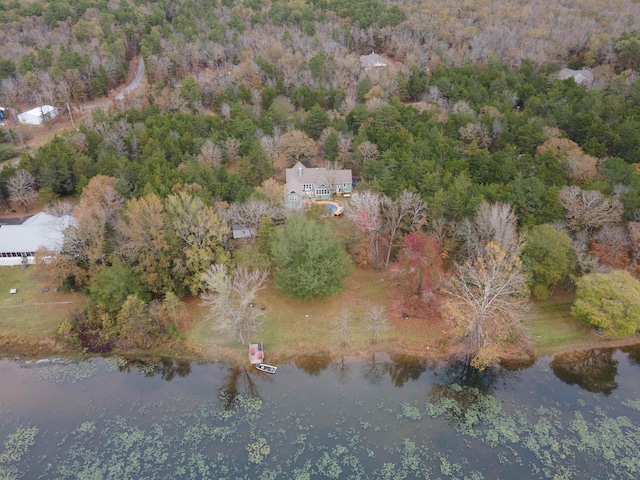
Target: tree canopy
309 260
547 257
609 301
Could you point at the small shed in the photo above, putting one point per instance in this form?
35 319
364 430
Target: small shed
38 115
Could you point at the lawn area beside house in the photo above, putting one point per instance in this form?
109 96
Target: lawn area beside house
31 313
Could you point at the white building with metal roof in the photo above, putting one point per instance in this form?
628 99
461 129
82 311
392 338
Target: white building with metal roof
19 243
38 115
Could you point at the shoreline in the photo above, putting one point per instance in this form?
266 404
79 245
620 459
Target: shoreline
34 349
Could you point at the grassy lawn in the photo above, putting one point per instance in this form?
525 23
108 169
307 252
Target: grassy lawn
552 327
31 313
306 327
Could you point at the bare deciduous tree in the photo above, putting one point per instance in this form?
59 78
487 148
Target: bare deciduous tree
232 145
406 212
341 326
296 145
271 144
210 154
634 240
225 111
587 209
60 208
248 214
487 296
611 245
476 131
376 320
492 223
256 102
367 151
364 212
22 189
231 297
345 144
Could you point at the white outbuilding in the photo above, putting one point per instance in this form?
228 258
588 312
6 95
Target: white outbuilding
38 115
19 243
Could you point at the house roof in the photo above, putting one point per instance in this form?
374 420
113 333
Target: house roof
35 115
41 230
300 175
582 77
372 60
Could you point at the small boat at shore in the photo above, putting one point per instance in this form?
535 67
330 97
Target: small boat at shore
266 368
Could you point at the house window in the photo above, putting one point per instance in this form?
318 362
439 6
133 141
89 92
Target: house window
292 197
307 186
322 191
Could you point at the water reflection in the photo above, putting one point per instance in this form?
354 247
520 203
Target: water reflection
486 381
593 370
373 370
303 423
342 370
169 368
313 364
633 353
401 368
405 367
166 368
239 383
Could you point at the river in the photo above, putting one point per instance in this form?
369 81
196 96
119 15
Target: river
380 417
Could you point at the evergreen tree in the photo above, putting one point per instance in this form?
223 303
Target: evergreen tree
310 261
100 83
331 146
315 122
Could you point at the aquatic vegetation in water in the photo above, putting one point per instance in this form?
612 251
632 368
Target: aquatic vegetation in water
411 412
63 371
15 449
551 444
258 450
361 438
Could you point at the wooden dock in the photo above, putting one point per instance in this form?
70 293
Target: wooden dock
256 353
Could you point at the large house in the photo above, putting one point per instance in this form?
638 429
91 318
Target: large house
19 243
315 183
582 77
373 60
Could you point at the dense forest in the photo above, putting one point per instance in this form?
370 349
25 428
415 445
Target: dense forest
469 145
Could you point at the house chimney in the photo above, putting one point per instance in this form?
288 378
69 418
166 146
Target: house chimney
300 171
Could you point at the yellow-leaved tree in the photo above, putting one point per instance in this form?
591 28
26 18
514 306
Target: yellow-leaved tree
487 297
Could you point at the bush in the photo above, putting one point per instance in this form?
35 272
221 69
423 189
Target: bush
7 152
609 301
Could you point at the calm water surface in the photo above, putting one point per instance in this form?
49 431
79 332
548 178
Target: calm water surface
382 417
